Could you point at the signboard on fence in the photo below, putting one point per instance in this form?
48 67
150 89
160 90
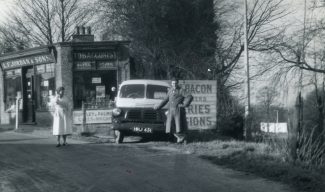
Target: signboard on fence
274 127
93 116
201 114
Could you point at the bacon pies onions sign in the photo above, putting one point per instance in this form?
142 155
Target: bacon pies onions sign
201 114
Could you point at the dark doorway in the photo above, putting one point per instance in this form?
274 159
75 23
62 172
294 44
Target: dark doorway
28 95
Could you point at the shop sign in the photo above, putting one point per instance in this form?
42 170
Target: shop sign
96 80
27 61
85 65
12 73
201 114
93 116
40 69
94 55
106 65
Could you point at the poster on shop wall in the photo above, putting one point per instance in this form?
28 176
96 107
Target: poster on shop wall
100 92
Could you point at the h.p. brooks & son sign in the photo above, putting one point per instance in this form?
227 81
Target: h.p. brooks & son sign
27 61
201 114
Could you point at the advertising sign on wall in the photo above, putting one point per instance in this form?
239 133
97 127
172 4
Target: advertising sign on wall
100 92
201 114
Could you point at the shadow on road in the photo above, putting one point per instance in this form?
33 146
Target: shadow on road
25 139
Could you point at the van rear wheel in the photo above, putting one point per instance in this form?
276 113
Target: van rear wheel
119 136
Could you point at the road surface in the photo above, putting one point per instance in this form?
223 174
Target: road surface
30 163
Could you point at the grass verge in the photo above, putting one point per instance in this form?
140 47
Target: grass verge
259 159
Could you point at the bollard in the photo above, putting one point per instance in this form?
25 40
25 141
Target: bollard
17 113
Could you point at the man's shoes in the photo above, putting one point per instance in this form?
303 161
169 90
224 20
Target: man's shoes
181 138
58 145
182 141
64 144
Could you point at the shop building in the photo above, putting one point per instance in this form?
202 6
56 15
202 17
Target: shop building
87 69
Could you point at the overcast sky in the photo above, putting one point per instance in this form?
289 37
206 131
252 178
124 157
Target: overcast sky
4 6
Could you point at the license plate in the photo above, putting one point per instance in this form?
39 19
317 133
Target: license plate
142 129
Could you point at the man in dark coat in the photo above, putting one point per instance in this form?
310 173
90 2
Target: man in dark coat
178 100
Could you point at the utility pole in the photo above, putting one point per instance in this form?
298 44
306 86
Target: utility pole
62 21
277 116
247 129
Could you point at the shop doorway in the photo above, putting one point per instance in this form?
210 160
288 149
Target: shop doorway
28 95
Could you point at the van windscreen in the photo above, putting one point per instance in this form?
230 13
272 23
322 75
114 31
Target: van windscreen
132 91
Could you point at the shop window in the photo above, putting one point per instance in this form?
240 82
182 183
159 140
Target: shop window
45 85
93 88
12 88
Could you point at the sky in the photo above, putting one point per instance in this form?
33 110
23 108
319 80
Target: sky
4 7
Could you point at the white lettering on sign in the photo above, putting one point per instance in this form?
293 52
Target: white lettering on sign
106 65
35 60
92 55
93 116
96 80
201 114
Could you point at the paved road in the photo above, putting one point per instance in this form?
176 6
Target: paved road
32 163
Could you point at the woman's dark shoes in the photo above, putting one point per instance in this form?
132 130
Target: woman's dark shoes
64 144
58 145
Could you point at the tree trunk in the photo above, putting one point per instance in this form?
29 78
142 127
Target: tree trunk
320 116
295 127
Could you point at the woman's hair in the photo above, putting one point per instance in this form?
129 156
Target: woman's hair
59 89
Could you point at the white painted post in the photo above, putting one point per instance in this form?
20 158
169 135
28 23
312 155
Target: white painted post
18 98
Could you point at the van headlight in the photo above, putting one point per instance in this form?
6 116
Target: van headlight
116 111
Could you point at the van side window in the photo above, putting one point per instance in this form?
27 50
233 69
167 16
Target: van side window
156 91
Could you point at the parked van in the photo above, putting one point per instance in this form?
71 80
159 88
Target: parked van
134 113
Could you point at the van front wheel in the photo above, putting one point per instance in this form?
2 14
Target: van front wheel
119 136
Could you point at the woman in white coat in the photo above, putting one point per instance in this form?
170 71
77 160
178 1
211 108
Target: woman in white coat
62 121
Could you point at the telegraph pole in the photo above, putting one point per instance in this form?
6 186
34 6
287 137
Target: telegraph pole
247 129
62 22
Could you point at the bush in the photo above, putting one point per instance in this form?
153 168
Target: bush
232 126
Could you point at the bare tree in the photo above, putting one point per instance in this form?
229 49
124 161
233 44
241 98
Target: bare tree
48 21
266 96
262 34
11 41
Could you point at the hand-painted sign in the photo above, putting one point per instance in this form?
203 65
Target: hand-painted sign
93 116
201 114
27 61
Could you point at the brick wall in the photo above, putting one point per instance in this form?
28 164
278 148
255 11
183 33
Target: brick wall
63 70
